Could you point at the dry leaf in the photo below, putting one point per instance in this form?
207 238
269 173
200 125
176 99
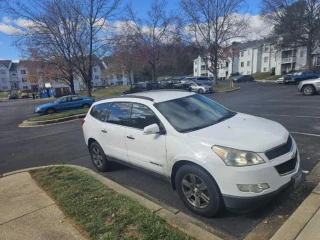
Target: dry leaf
280 216
265 221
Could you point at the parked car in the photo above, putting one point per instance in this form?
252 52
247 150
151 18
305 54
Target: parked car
301 76
280 80
212 156
65 103
142 86
13 96
24 95
243 78
198 87
309 87
204 80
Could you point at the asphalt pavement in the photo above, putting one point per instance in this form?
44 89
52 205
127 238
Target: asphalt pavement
63 143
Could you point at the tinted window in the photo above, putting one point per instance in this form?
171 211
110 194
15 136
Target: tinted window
100 111
76 98
64 100
118 113
193 113
142 116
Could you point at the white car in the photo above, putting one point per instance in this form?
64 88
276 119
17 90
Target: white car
212 156
280 80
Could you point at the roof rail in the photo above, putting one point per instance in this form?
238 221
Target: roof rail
133 96
172 90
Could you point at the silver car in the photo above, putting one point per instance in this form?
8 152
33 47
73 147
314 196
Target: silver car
200 88
309 87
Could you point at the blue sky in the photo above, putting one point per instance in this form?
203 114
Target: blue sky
9 52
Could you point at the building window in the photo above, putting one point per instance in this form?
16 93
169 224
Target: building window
95 69
265 59
203 67
248 63
13 74
318 61
25 87
4 80
2 71
196 70
266 49
302 53
23 80
242 54
242 64
227 64
96 77
23 71
249 52
264 69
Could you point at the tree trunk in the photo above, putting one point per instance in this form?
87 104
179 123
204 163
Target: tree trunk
216 69
88 87
309 55
71 84
154 73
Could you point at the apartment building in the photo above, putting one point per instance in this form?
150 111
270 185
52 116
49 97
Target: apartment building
260 56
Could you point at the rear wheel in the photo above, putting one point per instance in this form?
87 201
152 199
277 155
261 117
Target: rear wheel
50 111
98 157
198 190
308 90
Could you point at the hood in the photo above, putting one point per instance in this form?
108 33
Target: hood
243 132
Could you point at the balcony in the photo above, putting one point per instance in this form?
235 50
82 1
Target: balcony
288 59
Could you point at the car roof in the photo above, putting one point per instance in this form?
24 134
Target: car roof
155 96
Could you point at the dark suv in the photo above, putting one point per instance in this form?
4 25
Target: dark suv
243 78
297 77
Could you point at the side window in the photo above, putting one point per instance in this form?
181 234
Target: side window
64 100
142 116
76 98
118 113
100 111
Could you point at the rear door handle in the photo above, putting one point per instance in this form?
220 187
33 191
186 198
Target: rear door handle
104 131
130 137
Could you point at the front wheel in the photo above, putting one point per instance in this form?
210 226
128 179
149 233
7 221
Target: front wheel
198 190
86 105
50 111
98 157
200 91
308 90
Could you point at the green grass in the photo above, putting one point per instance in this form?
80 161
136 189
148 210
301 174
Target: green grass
97 210
58 115
4 94
107 92
265 76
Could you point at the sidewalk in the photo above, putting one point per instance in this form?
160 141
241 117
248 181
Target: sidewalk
27 212
304 223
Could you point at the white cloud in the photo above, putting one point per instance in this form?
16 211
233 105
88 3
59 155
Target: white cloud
10 30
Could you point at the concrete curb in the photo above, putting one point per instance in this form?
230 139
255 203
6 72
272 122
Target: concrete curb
232 90
27 123
300 218
181 221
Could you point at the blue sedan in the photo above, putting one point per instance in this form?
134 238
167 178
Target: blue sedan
65 103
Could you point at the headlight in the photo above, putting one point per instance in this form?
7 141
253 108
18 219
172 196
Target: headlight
237 158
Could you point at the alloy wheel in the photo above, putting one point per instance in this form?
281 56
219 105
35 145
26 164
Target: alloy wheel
97 156
307 90
195 191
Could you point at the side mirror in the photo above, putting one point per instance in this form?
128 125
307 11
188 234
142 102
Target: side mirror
151 129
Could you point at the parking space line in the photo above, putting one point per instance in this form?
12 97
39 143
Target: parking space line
259 106
274 115
307 134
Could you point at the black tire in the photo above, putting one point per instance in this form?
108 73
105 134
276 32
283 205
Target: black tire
297 81
50 111
214 205
200 91
308 90
98 157
86 105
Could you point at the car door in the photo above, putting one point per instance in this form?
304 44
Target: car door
113 131
194 87
76 102
147 151
63 104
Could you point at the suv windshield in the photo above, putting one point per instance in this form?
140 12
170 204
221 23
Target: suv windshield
192 113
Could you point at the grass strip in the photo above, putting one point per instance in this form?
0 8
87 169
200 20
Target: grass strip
58 115
107 92
99 211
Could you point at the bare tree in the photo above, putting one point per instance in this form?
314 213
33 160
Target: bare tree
214 25
296 21
153 36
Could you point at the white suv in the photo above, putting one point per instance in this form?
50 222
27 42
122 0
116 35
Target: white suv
212 156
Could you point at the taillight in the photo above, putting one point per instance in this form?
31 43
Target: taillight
83 121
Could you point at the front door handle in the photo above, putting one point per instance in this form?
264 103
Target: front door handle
104 131
130 137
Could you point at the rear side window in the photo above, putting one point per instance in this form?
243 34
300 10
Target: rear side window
142 116
119 113
100 111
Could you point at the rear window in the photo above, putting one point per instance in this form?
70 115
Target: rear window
118 113
100 111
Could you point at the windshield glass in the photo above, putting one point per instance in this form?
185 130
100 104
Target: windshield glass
192 113
58 99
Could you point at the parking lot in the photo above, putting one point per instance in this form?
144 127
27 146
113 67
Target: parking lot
63 143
